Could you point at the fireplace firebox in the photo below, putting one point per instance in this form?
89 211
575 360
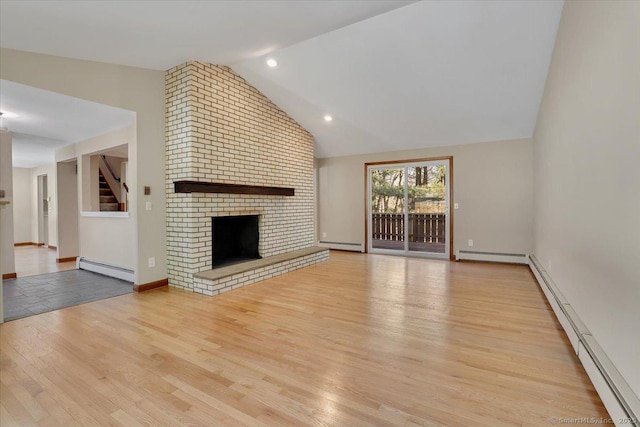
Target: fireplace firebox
235 239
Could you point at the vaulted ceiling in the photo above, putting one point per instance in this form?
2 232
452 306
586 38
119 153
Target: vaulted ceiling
392 74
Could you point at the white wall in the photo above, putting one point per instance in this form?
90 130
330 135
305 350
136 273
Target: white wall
134 89
492 182
52 190
90 177
587 174
22 205
6 219
108 240
68 226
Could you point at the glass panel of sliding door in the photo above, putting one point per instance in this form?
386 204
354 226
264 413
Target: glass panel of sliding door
387 208
427 208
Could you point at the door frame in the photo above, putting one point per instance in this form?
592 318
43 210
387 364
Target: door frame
395 162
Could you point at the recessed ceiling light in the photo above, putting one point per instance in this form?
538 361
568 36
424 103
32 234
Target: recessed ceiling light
272 63
8 115
328 118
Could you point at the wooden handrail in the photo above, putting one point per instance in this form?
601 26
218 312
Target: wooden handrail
104 158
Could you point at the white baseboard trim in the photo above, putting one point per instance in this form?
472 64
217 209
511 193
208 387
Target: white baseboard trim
610 401
106 269
621 402
355 247
491 257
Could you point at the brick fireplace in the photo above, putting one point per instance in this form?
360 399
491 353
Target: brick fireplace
220 129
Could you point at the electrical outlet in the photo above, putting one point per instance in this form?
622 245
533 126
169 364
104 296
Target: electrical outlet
152 262
147 206
456 206
324 234
470 242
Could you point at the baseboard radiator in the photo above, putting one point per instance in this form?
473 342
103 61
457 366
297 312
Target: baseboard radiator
621 402
106 269
492 257
355 247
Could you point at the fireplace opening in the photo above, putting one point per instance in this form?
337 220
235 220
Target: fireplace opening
235 239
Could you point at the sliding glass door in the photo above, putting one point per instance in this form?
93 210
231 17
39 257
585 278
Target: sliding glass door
387 208
408 210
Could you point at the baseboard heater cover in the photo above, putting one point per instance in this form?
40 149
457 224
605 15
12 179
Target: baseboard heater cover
619 399
106 269
355 247
492 257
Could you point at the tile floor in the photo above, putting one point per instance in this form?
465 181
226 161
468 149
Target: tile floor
26 296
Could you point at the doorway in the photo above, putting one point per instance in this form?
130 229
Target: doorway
68 212
43 211
408 208
53 228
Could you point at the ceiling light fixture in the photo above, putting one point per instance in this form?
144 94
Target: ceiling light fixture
328 118
8 115
272 63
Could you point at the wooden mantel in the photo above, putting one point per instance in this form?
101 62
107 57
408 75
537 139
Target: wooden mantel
217 187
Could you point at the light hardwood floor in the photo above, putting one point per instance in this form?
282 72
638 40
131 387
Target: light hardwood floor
33 260
360 340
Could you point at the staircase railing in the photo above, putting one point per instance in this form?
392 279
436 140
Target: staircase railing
104 159
111 178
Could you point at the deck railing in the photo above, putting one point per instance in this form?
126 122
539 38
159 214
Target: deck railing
423 227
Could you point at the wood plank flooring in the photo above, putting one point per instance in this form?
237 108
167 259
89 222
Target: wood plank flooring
360 340
33 260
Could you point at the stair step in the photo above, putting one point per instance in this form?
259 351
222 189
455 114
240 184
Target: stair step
105 192
108 199
108 207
